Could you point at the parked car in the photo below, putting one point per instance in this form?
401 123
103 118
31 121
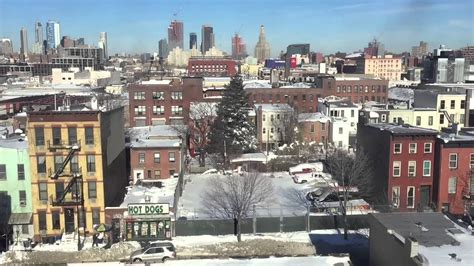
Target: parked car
154 251
210 171
306 168
322 179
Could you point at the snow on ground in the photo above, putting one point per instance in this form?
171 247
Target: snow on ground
300 261
137 194
279 204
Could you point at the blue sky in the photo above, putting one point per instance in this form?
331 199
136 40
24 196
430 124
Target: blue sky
135 26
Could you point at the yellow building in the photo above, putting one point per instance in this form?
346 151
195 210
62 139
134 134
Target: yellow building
386 67
423 117
100 159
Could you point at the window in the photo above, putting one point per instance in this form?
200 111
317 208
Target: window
55 220
278 116
72 135
171 157
263 118
441 119
39 136
59 189
56 135
89 131
43 191
148 174
74 164
396 168
426 168
90 163
427 148
3 171
172 173
441 105
42 220
41 164
430 120
384 117
264 131
340 130
139 95
453 160
92 189
95 216
352 113
397 148
395 197
463 104
271 118
176 110
418 120
141 157
158 110
58 161
157 173
412 148
462 117
471 161
323 126
22 197
452 183
177 95
312 128
158 95
410 197
76 190
140 110
453 104
156 157
411 168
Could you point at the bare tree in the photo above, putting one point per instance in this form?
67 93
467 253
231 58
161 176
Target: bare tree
232 196
286 125
296 197
350 170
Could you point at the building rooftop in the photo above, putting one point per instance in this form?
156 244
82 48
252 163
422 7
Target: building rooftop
162 136
341 104
466 135
403 129
313 117
268 107
14 142
250 157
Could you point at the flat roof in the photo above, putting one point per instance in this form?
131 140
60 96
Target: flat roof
403 129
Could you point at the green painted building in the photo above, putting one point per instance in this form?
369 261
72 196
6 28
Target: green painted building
15 189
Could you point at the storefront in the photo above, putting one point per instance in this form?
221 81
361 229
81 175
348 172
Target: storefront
148 221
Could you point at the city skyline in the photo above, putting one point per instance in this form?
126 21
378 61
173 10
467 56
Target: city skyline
399 26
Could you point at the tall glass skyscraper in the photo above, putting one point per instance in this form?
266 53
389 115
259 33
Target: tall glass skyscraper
193 40
53 34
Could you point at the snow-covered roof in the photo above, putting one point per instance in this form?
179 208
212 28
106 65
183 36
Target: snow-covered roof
156 82
403 129
355 55
15 142
165 194
256 84
298 85
278 107
155 143
161 136
401 94
250 157
313 117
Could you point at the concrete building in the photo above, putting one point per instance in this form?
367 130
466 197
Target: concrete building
163 48
404 155
53 34
210 66
180 58
74 76
156 152
176 35
262 48
99 163
341 109
15 187
39 33
97 54
207 38
420 50
445 66
339 132
451 105
24 42
374 48
385 67
274 125
104 45
6 46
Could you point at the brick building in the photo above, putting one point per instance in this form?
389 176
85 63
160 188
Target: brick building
165 101
359 89
403 161
453 184
212 67
314 127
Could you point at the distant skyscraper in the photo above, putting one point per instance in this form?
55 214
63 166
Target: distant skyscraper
103 43
163 48
207 38
375 48
239 50
193 40
80 41
24 42
39 33
6 46
175 35
53 34
420 51
262 49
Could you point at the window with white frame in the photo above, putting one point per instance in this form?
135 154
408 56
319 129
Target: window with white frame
411 168
426 168
139 95
158 110
396 168
384 117
158 95
177 95
471 161
427 148
410 197
453 160
395 197
412 148
140 110
176 110
397 148
452 183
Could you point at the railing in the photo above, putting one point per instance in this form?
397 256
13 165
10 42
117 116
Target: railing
57 145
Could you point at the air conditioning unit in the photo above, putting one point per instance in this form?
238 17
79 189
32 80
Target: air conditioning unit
22 203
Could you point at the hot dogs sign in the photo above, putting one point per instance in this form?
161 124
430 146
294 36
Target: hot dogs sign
148 208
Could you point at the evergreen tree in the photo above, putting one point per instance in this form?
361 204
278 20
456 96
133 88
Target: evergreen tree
232 133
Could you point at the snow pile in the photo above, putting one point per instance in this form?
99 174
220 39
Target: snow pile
165 194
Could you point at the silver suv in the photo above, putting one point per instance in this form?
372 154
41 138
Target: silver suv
154 252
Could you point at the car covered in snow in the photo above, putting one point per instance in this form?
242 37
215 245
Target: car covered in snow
154 252
318 179
210 172
306 168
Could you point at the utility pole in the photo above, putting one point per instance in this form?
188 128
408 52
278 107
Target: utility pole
225 154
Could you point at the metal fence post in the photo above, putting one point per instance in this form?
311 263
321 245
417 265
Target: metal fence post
254 224
308 222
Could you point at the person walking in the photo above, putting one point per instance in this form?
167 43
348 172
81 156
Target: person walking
94 240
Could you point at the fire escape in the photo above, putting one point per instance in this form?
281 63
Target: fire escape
467 194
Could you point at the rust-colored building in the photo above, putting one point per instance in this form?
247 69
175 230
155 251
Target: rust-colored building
359 89
314 127
454 179
212 67
402 159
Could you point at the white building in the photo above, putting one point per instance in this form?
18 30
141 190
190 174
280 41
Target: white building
342 109
75 77
274 122
339 132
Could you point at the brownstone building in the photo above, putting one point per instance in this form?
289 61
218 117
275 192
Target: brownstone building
359 89
314 127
